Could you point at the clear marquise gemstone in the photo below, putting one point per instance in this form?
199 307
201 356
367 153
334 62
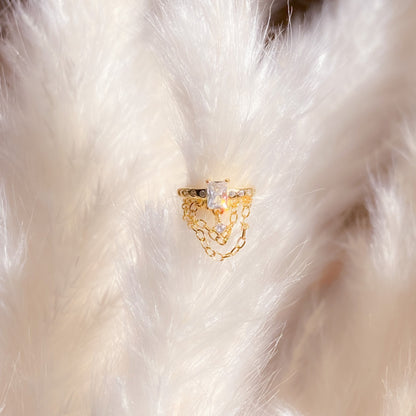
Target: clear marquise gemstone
217 195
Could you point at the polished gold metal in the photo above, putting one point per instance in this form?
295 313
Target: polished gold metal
238 204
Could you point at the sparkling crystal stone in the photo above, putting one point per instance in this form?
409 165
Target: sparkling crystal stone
220 228
217 195
241 193
231 194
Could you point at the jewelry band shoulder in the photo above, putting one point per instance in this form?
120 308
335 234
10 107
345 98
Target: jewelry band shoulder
226 206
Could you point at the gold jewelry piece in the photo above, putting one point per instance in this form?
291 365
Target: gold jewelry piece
226 205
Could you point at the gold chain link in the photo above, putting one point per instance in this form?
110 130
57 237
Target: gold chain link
202 230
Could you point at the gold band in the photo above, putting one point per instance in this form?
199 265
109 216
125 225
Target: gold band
202 192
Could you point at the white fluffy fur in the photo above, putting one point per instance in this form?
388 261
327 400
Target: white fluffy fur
108 304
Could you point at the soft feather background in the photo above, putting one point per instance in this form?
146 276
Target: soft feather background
108 304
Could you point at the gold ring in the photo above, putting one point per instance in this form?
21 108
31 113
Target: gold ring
226 206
